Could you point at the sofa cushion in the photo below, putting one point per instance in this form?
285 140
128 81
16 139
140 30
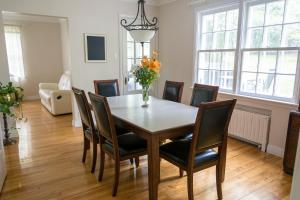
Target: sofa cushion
45 94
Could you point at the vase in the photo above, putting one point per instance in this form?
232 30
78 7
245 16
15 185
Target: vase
145 94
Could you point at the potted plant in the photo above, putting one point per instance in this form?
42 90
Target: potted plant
10 97
146 73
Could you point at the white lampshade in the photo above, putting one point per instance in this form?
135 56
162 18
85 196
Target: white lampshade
142 35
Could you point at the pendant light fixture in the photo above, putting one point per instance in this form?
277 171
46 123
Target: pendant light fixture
141 29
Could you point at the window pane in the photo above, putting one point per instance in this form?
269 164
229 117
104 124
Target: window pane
228 60
219 38
265 84
219 22
256 15
284 86
130 63
226 81
214 77
130 50
274 13
292 11
273 36
287 62
250 61
203 60
147 49
203 76
215 60
138 48
230 39
206 42
248 82
267 61
208 22
232 20
255 37
291 35
131 84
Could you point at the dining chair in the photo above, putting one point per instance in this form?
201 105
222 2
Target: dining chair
90 133
118 147
173 91
196 154
107 88
203 93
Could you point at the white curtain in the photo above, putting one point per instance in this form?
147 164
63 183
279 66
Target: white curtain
14 53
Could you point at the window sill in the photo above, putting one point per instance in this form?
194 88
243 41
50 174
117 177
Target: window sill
261 101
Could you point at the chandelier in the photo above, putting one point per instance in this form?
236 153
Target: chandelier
141 28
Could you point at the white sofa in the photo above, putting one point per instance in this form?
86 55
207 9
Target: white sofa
56 97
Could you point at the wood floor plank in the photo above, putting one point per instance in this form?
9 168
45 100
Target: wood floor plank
46 165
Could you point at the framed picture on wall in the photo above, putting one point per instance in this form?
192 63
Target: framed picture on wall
95 47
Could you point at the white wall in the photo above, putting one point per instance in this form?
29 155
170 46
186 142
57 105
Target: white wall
93 16
295 193
4 74
65 44
176 38
42 54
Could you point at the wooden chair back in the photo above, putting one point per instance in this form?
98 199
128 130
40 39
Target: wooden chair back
84 108
107 88
173 91
211 127
203 93
104 119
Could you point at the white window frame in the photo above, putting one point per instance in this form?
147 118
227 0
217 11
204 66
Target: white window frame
241 47
198 41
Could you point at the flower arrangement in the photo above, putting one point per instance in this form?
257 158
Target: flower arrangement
146 73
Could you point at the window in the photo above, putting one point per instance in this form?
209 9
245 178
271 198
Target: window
14 52
266 61
134 57
218 46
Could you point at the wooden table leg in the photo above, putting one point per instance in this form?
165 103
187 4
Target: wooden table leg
223 162
153 167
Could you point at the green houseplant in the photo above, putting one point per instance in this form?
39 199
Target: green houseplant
10 97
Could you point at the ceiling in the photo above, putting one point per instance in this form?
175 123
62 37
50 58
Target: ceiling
153 2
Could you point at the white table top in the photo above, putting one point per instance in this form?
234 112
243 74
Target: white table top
159 115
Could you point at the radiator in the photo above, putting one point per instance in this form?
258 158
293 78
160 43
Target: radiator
250 127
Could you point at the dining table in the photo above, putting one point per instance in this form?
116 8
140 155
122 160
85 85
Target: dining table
158 121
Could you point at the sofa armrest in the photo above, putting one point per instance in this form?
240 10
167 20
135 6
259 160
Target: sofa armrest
48 86
61 101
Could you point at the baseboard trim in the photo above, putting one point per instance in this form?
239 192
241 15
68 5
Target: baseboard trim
31 98
275 150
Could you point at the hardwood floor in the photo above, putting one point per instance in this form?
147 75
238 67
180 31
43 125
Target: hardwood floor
46 165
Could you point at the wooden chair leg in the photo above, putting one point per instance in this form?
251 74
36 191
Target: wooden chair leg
102 162
131 161
219 182
86 144
94 157
137 162
180 172
116 178
190 185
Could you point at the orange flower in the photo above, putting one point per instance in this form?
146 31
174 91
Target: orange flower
154 65
145 61
155 54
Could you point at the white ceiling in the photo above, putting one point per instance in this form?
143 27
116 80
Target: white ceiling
153 2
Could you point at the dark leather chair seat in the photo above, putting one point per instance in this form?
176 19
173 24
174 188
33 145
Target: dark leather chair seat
183 137
178 151
129 143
